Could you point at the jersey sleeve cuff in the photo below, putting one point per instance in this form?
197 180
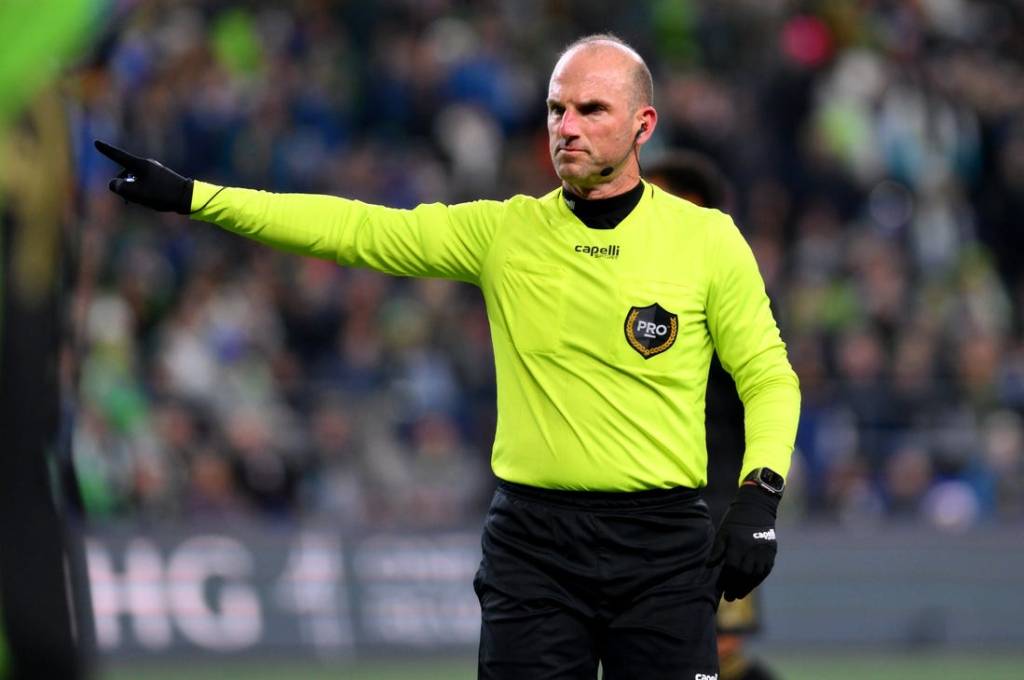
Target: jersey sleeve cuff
777 463
202 192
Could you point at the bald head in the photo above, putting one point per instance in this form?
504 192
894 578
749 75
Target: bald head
599 115
638 76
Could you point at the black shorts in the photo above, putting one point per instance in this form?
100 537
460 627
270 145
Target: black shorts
570 579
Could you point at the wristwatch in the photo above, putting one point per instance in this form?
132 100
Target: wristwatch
766 478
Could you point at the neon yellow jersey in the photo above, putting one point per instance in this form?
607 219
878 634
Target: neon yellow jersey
602 337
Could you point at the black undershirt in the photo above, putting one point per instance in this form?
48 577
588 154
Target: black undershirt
604 213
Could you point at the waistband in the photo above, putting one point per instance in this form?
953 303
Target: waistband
602 500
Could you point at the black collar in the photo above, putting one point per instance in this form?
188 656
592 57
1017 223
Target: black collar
604 213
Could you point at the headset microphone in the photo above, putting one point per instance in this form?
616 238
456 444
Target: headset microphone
609 170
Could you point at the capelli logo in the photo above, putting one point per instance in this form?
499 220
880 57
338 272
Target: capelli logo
611 252
705 676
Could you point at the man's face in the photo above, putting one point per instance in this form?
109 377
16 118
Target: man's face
592 120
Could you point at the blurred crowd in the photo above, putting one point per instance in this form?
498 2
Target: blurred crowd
877 152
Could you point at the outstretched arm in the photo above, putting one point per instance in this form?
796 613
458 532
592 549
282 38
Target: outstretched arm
431 240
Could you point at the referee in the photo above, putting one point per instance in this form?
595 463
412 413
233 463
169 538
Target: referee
606 299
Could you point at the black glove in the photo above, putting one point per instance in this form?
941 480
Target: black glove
147 182
746 542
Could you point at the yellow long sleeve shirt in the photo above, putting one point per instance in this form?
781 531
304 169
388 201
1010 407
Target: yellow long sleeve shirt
602 337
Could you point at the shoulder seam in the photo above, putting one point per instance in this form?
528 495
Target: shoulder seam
486 261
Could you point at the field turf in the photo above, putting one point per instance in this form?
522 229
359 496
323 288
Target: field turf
843 665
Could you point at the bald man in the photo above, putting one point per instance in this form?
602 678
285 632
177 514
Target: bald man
606 298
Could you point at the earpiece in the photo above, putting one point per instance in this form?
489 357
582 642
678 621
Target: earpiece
609 170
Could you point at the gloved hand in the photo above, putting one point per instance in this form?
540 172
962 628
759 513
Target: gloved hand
745 542
147 182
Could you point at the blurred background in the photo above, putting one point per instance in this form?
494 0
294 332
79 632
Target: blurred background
279 459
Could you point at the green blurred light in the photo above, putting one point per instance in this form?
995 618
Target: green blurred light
236 42
39 38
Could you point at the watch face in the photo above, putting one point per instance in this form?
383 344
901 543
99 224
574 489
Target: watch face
773 479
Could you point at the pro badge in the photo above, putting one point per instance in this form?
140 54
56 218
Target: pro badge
651 330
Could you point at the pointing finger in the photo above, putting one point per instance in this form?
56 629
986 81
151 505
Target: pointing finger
118 155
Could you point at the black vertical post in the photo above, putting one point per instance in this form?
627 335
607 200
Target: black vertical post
41 583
